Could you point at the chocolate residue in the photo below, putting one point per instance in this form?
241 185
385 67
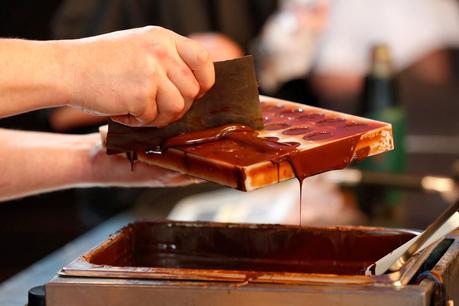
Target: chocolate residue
249 247
208 135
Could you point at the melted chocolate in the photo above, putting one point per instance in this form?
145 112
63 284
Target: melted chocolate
203 136
226 152
253 248
241 146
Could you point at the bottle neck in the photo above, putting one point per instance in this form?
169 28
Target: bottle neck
379 93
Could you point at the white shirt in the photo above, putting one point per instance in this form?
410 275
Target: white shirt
411 28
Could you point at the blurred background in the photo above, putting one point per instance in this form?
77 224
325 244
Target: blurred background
391 60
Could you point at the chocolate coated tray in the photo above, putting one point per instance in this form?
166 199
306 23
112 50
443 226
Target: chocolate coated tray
297 140
238 252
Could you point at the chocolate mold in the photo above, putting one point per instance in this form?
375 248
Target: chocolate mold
297 141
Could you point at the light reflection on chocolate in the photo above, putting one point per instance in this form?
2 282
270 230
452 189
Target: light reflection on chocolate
292 143
292 112
268 107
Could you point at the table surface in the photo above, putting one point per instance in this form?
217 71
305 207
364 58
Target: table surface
13 292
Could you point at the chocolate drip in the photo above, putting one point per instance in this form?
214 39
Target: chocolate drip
230 141
132 156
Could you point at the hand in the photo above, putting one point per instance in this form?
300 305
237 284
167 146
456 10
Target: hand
115 170
145 76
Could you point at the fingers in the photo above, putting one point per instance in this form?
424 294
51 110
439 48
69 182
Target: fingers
198 60
170 103
183 78
183 71
166 107
146 115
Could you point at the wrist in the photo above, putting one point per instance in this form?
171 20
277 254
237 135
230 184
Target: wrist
63 77
87 153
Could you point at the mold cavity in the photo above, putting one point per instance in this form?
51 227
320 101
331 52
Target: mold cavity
297 131
331 121
272 138
292 143
318 135
356 127
311 117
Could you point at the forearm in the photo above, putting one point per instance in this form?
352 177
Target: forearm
32 163
31 75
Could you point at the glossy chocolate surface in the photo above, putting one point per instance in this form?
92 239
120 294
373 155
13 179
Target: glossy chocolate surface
240 146
252 248
310 140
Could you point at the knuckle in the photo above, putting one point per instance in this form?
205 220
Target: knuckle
177 107
192 90
144 92
160 51
151 29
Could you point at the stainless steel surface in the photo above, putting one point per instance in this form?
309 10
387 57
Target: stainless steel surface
71 291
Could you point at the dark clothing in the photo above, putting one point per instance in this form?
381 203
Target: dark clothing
241 20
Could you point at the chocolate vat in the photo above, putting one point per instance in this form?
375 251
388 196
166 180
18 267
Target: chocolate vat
236 252
207 264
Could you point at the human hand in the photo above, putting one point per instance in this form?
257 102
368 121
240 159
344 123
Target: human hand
145 76
115 170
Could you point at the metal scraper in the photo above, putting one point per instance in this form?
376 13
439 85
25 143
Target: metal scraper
234 98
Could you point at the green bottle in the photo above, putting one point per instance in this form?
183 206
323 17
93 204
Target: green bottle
380 101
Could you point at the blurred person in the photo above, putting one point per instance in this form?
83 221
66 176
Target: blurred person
416 31
145 76
286 46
